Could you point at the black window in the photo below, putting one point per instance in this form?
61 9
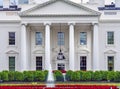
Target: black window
83 63
61 66
38 63
12 63
110 63
11 38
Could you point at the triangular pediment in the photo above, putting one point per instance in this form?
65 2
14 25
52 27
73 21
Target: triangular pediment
110 51
11 52
59 7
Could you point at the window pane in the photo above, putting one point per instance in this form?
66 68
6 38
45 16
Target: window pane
61 38
110 37
11 63
38 63
110 63
83 63
83 38
61 66
11 38
38 38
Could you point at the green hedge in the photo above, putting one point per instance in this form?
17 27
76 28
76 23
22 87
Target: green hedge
86 76
68 75
18 76
31 76
4 76
11 76
58 75
39 76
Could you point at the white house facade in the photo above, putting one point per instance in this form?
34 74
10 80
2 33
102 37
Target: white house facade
67 35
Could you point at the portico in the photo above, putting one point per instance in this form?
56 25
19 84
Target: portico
47 22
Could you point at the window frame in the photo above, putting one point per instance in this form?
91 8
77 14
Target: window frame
14 63
83 67
111 64
85 38
60 38
40 67
12 38
63 66
107 38
39 38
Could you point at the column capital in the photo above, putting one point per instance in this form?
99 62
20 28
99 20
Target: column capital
94 23
71 23
25 24
47 23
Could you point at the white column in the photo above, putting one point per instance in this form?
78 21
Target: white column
23 48
47 45
95 47
71 46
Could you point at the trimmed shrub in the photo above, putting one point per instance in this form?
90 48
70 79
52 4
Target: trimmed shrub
11 75
58 75
97 76
18 76
76 76
110 76
39 76
86 76
0 75
81 74
104 75
46 74
28 76
117 76
68 75
4 76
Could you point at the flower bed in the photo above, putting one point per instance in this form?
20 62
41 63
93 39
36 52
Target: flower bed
60 87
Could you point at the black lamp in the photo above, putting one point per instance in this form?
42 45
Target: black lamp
60 54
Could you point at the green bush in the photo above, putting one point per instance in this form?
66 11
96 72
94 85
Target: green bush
28 76
76 76
46 74
4 76
117 76
39 76
86 76
81 74
97 76
68 75
0 75
11 75
58 75
104 75
18 76
110 76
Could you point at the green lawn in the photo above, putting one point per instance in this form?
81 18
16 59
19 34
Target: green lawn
59 83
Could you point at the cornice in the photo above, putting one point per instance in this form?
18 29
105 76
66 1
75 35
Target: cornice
57 15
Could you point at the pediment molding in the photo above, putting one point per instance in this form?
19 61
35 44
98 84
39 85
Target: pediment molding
111 51
12 52
38 52
83 51
39 6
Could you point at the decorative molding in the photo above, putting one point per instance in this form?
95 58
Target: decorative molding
12 52
111 51
83 51
39 52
